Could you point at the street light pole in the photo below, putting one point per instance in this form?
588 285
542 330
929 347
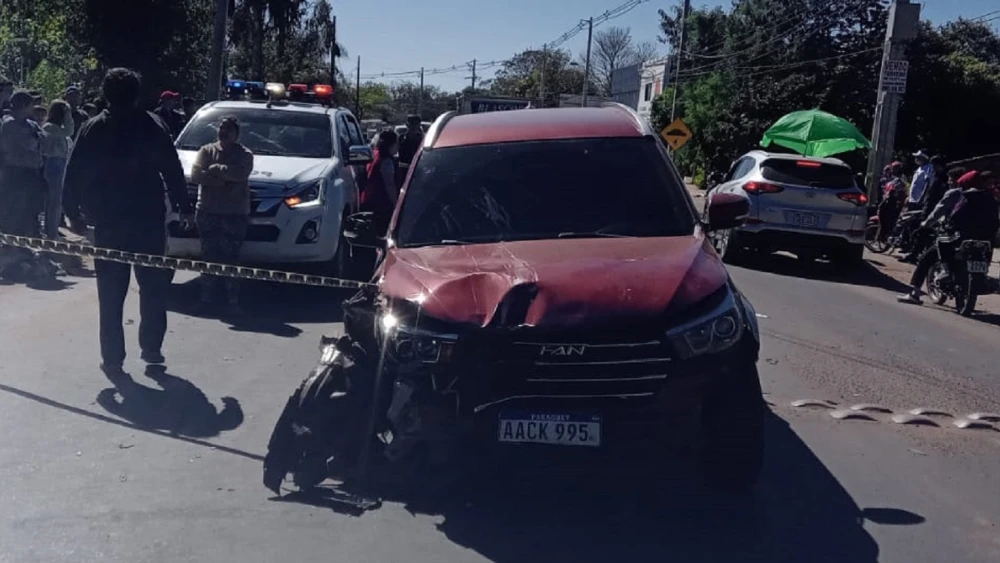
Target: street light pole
586 68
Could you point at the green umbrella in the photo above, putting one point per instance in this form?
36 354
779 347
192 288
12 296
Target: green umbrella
815 133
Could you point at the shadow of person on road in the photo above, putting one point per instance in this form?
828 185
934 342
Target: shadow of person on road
644 510
820 270
267 307
178 406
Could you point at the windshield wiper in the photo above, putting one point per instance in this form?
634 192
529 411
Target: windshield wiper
593 234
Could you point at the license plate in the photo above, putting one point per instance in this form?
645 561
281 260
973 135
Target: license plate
553 429
977 267
805 219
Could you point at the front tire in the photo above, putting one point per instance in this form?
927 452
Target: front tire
934 291
733 422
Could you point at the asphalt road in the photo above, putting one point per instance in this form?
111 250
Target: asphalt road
173 473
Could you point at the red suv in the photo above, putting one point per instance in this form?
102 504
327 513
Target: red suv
546 282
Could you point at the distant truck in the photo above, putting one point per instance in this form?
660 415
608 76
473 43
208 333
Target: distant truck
482 104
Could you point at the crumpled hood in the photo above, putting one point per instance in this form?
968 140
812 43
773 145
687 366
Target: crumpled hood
285 170
555 283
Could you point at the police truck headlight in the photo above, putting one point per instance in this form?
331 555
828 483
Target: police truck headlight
309 194
712 333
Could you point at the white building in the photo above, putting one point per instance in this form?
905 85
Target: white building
654 78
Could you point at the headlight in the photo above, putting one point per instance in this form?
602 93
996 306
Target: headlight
309 194
407 344
714 332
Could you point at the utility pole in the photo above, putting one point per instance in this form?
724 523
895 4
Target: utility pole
334 54
586 67
214 86
357 91
903 20
473 74
677 58
420 100
541 76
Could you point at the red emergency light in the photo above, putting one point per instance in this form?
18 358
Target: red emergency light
298 88
323 90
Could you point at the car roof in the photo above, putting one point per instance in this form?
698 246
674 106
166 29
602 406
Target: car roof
299 107
761 155
537 125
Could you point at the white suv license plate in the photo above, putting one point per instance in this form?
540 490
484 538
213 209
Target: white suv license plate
552 429
977 267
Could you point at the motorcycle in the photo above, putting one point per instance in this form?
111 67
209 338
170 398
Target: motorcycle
967 278
900 239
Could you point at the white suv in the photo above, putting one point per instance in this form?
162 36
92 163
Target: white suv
308 168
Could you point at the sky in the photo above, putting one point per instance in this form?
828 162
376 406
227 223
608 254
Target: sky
397 36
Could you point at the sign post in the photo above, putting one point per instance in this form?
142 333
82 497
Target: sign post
676 134
894 79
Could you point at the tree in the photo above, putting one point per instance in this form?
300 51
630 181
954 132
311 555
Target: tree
612 49
283 41
742 70
522 76
167 42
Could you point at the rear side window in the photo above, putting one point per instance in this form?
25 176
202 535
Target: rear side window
808 173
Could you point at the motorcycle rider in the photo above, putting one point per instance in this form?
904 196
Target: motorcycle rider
975 216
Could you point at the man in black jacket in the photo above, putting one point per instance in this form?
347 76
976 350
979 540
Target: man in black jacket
115 179
974 217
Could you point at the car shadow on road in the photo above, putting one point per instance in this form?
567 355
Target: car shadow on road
799 512
821 270
267 307
177 407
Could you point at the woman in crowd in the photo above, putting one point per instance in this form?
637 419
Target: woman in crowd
380 193
56 144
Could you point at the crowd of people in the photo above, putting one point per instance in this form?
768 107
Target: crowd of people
107 167
35 146
964 203
393 155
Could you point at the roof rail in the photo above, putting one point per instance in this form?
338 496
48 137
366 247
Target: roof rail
643 125
435 129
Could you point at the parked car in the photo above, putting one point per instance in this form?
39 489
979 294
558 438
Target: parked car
546 283
812 207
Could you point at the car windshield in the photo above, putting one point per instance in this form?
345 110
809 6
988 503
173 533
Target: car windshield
808 173
265 131
543 190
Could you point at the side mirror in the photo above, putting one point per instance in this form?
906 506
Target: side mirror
360 154
360 230
727 211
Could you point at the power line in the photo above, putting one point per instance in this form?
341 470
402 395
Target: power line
752 71
572 32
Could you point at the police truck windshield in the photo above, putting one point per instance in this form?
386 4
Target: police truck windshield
265 131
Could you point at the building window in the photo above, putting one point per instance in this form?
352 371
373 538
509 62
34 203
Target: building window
647 93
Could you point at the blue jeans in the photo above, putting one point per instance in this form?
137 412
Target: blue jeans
55 172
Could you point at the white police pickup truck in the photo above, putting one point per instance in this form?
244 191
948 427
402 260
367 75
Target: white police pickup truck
309 163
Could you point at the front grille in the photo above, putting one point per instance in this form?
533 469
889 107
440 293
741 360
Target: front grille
259 207
577 368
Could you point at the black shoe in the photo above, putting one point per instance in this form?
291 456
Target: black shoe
116 375
153 357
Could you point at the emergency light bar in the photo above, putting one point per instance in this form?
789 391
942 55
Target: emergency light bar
237 89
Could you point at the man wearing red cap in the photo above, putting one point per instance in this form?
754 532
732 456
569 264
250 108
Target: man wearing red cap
167 111
971 211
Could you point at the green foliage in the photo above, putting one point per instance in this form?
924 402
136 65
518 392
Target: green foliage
522 76
283 41
747 67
